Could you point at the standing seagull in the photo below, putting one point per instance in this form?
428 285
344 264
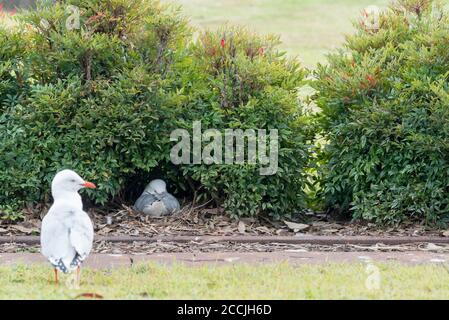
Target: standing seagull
155 201
67 232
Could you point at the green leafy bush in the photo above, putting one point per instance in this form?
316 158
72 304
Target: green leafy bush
91 99
104 98
385 115
238 80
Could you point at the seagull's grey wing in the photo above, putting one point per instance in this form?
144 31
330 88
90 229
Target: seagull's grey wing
171 203
81 237
55 242
146 199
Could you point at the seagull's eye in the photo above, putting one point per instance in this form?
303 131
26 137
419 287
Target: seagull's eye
73 180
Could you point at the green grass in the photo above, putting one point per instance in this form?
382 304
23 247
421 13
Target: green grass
308 28
275 281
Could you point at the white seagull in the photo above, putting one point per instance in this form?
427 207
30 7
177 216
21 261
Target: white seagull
67 232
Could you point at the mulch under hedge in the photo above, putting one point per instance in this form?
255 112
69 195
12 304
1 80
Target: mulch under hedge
213 222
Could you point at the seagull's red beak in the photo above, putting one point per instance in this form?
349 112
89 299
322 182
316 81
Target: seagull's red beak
89 185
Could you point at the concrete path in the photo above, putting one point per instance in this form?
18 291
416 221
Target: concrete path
224 258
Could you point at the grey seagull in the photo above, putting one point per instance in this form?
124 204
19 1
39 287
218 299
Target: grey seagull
155 201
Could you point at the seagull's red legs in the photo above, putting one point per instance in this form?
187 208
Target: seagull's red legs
56 276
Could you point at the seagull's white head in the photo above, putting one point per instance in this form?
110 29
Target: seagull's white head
67 181
156 186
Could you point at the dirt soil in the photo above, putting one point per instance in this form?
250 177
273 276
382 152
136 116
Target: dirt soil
108 261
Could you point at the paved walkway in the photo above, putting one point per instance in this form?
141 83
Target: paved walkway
224 258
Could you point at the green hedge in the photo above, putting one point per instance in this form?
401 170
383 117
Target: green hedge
103 100
237 80
385 114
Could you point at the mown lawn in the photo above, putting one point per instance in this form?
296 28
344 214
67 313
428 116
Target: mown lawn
308 28
275 281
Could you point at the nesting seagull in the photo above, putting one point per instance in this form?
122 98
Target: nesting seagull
155 201
67 232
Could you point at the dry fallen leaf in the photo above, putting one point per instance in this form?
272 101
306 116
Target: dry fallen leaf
433 247
281 232
24 229
213 211
32 223
446 233
330 230
263 230
241 227
105 230
296 227
320 224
